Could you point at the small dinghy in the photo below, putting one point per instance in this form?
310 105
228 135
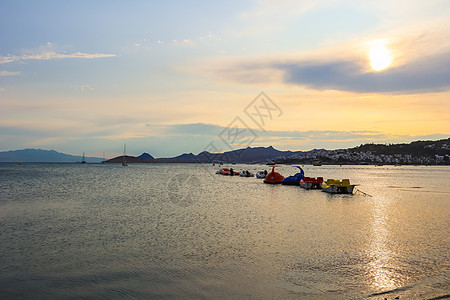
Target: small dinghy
225 171
261 174
311 183
246 173
294 179
273 177
338 187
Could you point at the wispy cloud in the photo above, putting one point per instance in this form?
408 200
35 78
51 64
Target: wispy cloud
267 17
48 52
291 139
7 73
51 55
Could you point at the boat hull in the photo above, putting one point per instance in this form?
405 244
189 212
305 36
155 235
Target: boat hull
292 180
334 189
269 181
311 186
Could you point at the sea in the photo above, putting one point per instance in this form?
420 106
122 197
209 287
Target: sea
179 231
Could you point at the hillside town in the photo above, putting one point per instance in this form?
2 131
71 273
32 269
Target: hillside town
435 154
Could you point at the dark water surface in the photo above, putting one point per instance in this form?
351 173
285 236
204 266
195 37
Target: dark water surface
179 231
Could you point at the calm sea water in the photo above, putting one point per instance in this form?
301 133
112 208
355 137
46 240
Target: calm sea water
180 231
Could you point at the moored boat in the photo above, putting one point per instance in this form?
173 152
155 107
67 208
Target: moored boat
311 183
294 179
124 162
273 177
226 171
261 174
246 173
338 187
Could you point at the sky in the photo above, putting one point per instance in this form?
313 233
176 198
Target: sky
173 77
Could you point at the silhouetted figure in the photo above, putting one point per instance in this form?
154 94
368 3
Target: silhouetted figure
231 172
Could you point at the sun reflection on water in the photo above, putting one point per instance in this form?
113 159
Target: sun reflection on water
381 268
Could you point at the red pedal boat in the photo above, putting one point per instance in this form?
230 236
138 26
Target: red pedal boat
311 183
273 177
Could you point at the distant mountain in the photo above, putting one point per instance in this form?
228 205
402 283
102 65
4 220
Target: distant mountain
132 159
145 156
39 155
419 152
246 155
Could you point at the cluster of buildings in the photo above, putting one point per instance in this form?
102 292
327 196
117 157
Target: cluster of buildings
346 156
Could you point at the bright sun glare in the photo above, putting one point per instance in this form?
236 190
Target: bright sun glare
379 55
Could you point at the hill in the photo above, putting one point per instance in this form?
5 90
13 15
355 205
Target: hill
130 159
418 148
419 152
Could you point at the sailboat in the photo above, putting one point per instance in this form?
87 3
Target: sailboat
83 160
124 162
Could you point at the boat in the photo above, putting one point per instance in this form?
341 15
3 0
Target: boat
226 171
317 163
83 160
124 162
246 173
273 177
294 179
261 174
338 187
309 183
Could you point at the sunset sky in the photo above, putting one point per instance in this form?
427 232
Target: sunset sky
168 77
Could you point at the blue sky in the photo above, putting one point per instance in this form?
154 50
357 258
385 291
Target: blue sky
170 77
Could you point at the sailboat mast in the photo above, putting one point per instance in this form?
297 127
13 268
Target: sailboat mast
124 162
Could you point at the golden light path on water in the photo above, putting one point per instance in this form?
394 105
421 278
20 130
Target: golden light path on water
378 250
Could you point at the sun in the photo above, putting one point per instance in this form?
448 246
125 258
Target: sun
379 55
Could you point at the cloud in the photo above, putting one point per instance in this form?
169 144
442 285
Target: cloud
48 52
430 73
267 17
52 55
7 73
85 87
285 139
